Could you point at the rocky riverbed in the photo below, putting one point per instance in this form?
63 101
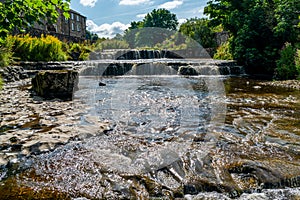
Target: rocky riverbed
67 157
290 84
30 124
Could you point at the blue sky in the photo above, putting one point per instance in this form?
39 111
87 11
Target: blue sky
109 17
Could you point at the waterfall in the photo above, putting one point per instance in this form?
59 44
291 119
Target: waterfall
158 66
152 69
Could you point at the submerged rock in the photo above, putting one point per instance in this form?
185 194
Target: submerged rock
55 84
187 70
102 84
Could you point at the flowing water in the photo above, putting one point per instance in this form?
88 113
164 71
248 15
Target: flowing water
170 136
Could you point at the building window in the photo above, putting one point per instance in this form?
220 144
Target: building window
78 27
73 27
77 18
72 16
66 20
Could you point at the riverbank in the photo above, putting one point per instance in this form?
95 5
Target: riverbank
30 124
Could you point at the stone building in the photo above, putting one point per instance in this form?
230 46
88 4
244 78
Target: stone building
72 29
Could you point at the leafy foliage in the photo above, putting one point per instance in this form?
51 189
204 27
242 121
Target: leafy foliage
92 37
46 48
161 18
1 83
19 14
153 29
297 62
175 42
223 52
112 44
259 29
199 30
6 54
79 51
286 66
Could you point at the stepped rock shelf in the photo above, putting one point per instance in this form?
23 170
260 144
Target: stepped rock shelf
120 67
58 79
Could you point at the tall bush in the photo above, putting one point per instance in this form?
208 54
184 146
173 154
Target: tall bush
1 83
297 62
45 48
79 51
6 54
286 66
223 52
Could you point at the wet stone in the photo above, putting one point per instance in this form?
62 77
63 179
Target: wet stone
32 124
255 155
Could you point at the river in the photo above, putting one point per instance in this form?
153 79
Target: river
171 136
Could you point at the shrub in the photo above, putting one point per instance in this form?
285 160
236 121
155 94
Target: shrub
175 42
6 54
285 66
79 51
297 62
112 44
45 48
1 83
223 52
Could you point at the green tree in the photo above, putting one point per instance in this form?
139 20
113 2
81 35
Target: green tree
135 25
19 14
93 37
152 29
259 29
161 18
131 32
286 66
199 30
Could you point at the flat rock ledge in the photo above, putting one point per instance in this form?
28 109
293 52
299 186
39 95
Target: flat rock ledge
30 124
289 84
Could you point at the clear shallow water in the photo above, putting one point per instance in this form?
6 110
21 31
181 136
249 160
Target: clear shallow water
151 106
174 137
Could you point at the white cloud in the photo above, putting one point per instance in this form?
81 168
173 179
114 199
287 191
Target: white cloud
91 25
106 30
141 15
90 3
181 21
171 4
134 2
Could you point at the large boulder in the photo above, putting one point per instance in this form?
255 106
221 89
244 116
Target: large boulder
55 83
